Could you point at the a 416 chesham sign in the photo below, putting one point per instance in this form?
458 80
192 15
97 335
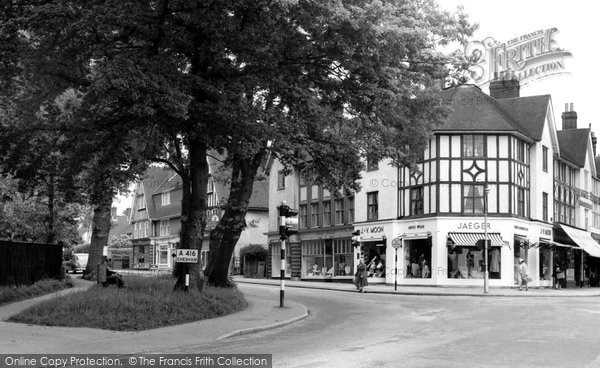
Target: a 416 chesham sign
530 56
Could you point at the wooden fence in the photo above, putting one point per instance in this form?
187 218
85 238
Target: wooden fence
26 263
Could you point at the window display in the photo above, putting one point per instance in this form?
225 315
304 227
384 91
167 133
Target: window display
417 258
374 255
327 258
545 263
468 263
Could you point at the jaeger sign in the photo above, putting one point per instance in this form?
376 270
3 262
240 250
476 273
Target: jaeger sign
531 56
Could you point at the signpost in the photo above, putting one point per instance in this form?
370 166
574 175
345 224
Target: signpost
186 256
396 243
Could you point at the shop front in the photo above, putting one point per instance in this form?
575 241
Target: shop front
373 249
327 258
578 258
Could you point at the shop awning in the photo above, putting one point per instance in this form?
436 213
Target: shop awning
583 239
470 239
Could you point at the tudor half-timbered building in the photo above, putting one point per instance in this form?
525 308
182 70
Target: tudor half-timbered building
499 167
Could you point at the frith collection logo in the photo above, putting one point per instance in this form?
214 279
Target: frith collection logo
530 56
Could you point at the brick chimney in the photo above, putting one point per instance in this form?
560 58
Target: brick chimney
505 86
569 117
594 141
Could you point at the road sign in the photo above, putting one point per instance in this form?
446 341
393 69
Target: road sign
186 256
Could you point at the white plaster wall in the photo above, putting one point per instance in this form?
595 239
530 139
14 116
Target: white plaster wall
542 181
276 196
384 181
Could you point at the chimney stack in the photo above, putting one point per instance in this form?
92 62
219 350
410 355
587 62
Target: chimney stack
507 86
594 141
569 117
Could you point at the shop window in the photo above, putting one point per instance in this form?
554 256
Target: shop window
417 258
521 250
416 201
163 255
374 256
545 265
372 206
327 258
468 262
473 196
473 146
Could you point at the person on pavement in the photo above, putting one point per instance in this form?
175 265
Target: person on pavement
360 279
523 274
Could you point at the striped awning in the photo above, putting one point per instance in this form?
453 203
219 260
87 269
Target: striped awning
470 239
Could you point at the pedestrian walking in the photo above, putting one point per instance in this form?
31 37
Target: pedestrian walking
523 274
360 279
559 277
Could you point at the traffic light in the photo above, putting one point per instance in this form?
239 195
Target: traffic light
356 238
288 221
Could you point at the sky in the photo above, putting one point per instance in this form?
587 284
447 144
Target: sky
508 19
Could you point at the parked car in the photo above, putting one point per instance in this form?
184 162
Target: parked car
78 262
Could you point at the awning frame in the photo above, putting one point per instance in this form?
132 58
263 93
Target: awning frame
470 239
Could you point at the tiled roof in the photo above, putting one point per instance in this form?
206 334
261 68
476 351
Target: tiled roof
153 179
530 112
473 110
573 145
172 182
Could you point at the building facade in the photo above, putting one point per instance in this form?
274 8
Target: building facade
156 216
499 167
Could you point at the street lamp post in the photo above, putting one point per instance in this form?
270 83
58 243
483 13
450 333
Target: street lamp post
485 240
396 243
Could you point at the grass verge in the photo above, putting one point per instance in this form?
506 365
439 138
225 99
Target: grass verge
146 303
42 287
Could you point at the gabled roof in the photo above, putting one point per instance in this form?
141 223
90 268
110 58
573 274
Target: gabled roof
154 177
574 145
172 182
530 112
473 110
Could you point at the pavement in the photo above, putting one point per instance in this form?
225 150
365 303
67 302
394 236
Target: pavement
431 290
261 314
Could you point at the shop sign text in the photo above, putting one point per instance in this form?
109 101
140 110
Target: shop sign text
372 230
472 225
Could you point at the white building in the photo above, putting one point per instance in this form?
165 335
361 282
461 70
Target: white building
540 201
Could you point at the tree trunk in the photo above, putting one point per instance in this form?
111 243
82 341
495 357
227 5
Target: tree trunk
193 213
100 229
227 232
50 235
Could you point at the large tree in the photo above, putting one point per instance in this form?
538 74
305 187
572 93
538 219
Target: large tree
314 82
323 84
